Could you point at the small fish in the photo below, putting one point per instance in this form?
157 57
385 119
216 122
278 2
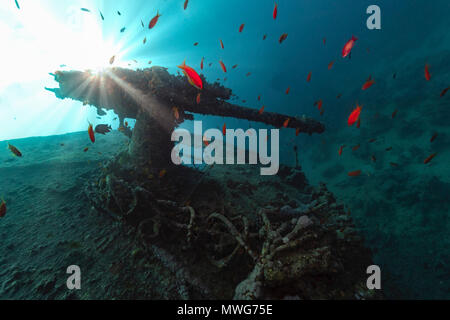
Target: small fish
195 44
324 40
322 111
102 128
224 129
308 78
318 103
444 91
91 133
154 20
241 27
297 131
192 76
176 113
330 65
394 76
142 24
275 11
283 37
201 63
356 147
265 37
205 141
210 64
2 208
150 62
85 149
354 116
434 137
429 158
368 83
223 66
118 12
388 148
393 164
348 47
427 73
123 29
286 122
145 40
85 10
248 74
62 144
17 4
288 90
111 61
394 113
339 95
354 173
162 173
185 4
261 110
101 15
372 140
358 124
234 67
14 150
221 44
198 98
373 158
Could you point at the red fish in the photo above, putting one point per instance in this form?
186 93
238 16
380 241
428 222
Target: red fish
195 44
283 37
444 91
341 149
368 83
354 116
330 65
394 113
356 147
308 78
428 159
275 11
318 103
433 137
348 46
176 113
198 98
192 76
354 173
259 98
91 133
224 129
265 37
358 124
297 131
288 90
14 150
241 27
261 110
186 4
223 66
221 44
154 20
2 208
201 63
427 73
286 122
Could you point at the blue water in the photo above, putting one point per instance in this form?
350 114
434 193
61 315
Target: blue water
401 210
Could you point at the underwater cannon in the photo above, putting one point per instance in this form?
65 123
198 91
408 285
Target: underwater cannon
149 96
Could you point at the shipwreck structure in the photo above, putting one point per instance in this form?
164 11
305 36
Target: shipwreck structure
223 231
150 95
